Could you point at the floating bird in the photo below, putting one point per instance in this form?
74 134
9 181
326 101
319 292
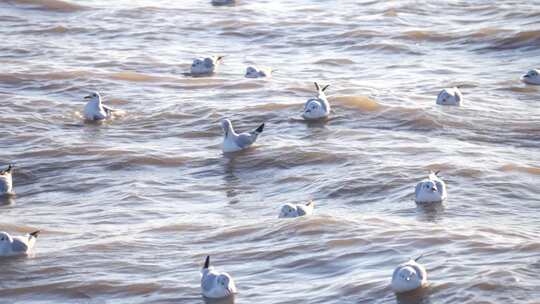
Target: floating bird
216 284
409 276
532 77
431 190
233 142
318 107
450 97
6 182
17 246
205 66
290 210
256 72
95 110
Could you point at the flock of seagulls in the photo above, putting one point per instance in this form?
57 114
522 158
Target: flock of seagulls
407 277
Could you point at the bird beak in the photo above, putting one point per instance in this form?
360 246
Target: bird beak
433 189
525 76
87 97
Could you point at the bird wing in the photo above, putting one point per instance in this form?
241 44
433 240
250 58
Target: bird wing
417 189
440 186
316 101
419 270
108 110
3 185
396 271
20 244
245 139
208 281
304 209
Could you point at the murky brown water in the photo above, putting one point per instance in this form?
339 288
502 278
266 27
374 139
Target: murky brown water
129 208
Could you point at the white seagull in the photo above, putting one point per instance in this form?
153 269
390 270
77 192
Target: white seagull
258 72
95 109
431 190
532 77
318 107
450 97
6 182
216 284
17 246
290 210
409 276
233 142
205 66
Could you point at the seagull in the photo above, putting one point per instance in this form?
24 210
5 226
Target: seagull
95 110
233 142
205 66
290 210
318 107
532 77
17 246
6 182
409 276
216 284
256 72
431 190
450 97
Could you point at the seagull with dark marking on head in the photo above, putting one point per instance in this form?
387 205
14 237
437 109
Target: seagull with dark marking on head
216 284
318 107
431 190
6 181
205 66
258 72
450 97
409 276
18 245
233 142
532 77
290 210
95 110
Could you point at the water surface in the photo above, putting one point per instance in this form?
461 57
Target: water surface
130 208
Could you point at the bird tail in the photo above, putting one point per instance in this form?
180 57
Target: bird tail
207 262
35 233
260 129
435 173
